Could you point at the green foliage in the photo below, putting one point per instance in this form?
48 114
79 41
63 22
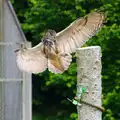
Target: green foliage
49 90
73 116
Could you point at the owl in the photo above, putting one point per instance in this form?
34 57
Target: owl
54 50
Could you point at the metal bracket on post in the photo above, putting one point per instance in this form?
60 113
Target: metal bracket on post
82 90
77 98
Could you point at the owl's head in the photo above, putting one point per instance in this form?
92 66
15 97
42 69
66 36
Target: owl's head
49 38
51 34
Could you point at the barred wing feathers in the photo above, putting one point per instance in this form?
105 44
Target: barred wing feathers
78 32
32 60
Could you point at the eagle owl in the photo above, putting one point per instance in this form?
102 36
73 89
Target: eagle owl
54 51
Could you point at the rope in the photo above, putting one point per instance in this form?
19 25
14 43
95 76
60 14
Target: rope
100 108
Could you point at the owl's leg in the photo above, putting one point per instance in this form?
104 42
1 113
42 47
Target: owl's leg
43 50
56 48
59 63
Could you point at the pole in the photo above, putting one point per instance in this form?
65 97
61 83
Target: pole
89 77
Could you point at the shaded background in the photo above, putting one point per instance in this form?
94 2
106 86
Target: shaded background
49 90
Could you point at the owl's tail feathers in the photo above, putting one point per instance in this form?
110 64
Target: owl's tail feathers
59 63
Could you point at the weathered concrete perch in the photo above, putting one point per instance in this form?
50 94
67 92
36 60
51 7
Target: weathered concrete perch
89 76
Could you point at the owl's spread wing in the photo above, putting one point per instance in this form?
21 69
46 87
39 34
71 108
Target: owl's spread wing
32 60
78 32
